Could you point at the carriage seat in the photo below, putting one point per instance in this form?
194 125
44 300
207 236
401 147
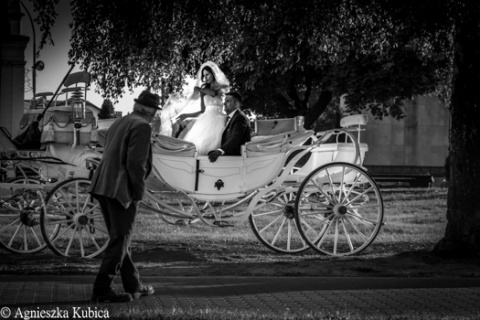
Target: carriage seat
354 120
279 143
162 144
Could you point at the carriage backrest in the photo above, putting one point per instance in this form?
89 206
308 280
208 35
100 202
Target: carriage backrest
275 126
354 122
279 143
162 144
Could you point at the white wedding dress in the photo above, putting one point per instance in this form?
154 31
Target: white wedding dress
206 132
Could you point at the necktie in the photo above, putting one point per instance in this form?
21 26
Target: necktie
227 118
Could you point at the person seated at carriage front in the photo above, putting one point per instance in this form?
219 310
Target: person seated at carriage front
205 132
119 184
237 130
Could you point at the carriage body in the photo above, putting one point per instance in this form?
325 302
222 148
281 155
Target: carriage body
297 189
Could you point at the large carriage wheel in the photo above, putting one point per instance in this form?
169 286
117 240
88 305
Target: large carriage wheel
274 225
339 209
20 230
71 221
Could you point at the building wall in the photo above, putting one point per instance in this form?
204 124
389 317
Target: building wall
418 140
12 66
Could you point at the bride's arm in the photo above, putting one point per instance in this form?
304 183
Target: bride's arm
183 116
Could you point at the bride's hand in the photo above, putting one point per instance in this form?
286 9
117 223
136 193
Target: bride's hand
180 117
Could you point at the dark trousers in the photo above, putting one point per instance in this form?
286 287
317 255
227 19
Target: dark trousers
117 256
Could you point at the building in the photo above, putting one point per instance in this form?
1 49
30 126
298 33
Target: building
415 145
12 68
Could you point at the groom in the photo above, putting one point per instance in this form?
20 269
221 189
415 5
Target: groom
237 130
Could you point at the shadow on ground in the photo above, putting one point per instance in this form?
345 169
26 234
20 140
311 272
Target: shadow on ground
184 261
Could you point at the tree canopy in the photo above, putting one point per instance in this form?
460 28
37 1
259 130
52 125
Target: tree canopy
295 57
286 57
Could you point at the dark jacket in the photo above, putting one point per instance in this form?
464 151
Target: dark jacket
126 161
235 134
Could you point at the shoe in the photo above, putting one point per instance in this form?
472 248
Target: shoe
144 290
112 296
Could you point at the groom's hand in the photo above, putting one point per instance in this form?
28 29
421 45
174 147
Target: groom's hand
213 155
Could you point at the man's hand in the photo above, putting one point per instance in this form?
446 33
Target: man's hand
213 155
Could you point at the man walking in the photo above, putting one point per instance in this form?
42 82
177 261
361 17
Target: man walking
118 184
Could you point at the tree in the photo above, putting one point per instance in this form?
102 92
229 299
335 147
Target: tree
293 57
462 235
287 57
107 111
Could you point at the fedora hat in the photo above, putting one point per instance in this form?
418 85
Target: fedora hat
149 99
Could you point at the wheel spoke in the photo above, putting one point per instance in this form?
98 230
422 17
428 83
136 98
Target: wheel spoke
25 238
58 236
358 196
58 222
354 226
335 240
347 235
71 240
100 228
9 225
36 237
278 232
14 234
94 241
361 219
324 233
322 192
270 224
331 186
289 234
341 186
80 240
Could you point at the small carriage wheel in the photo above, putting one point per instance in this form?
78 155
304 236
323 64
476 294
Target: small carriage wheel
20 231
72 222
339 209
274 225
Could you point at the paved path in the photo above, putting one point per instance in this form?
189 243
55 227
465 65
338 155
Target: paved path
389 296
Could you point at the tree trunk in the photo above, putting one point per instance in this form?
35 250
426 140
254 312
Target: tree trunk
318 108
462 234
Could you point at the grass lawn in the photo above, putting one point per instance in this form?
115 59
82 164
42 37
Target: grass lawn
415 220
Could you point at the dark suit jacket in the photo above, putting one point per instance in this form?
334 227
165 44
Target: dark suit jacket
235 134
126 161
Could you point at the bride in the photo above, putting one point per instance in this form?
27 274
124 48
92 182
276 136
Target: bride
206 103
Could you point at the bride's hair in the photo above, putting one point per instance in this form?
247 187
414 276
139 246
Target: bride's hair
220 80
211 72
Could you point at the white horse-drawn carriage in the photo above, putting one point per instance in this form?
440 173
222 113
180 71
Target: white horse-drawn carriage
297 189
27 175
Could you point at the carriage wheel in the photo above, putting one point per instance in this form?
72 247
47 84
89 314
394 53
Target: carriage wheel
71 220
20 232
339 209
274 224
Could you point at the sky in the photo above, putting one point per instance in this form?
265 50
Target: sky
56 59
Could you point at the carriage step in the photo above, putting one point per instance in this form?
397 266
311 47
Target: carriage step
223 224
182 222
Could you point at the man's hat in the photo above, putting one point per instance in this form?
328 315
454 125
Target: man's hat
149 99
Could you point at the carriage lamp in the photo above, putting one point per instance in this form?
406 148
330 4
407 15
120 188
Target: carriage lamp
78 106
